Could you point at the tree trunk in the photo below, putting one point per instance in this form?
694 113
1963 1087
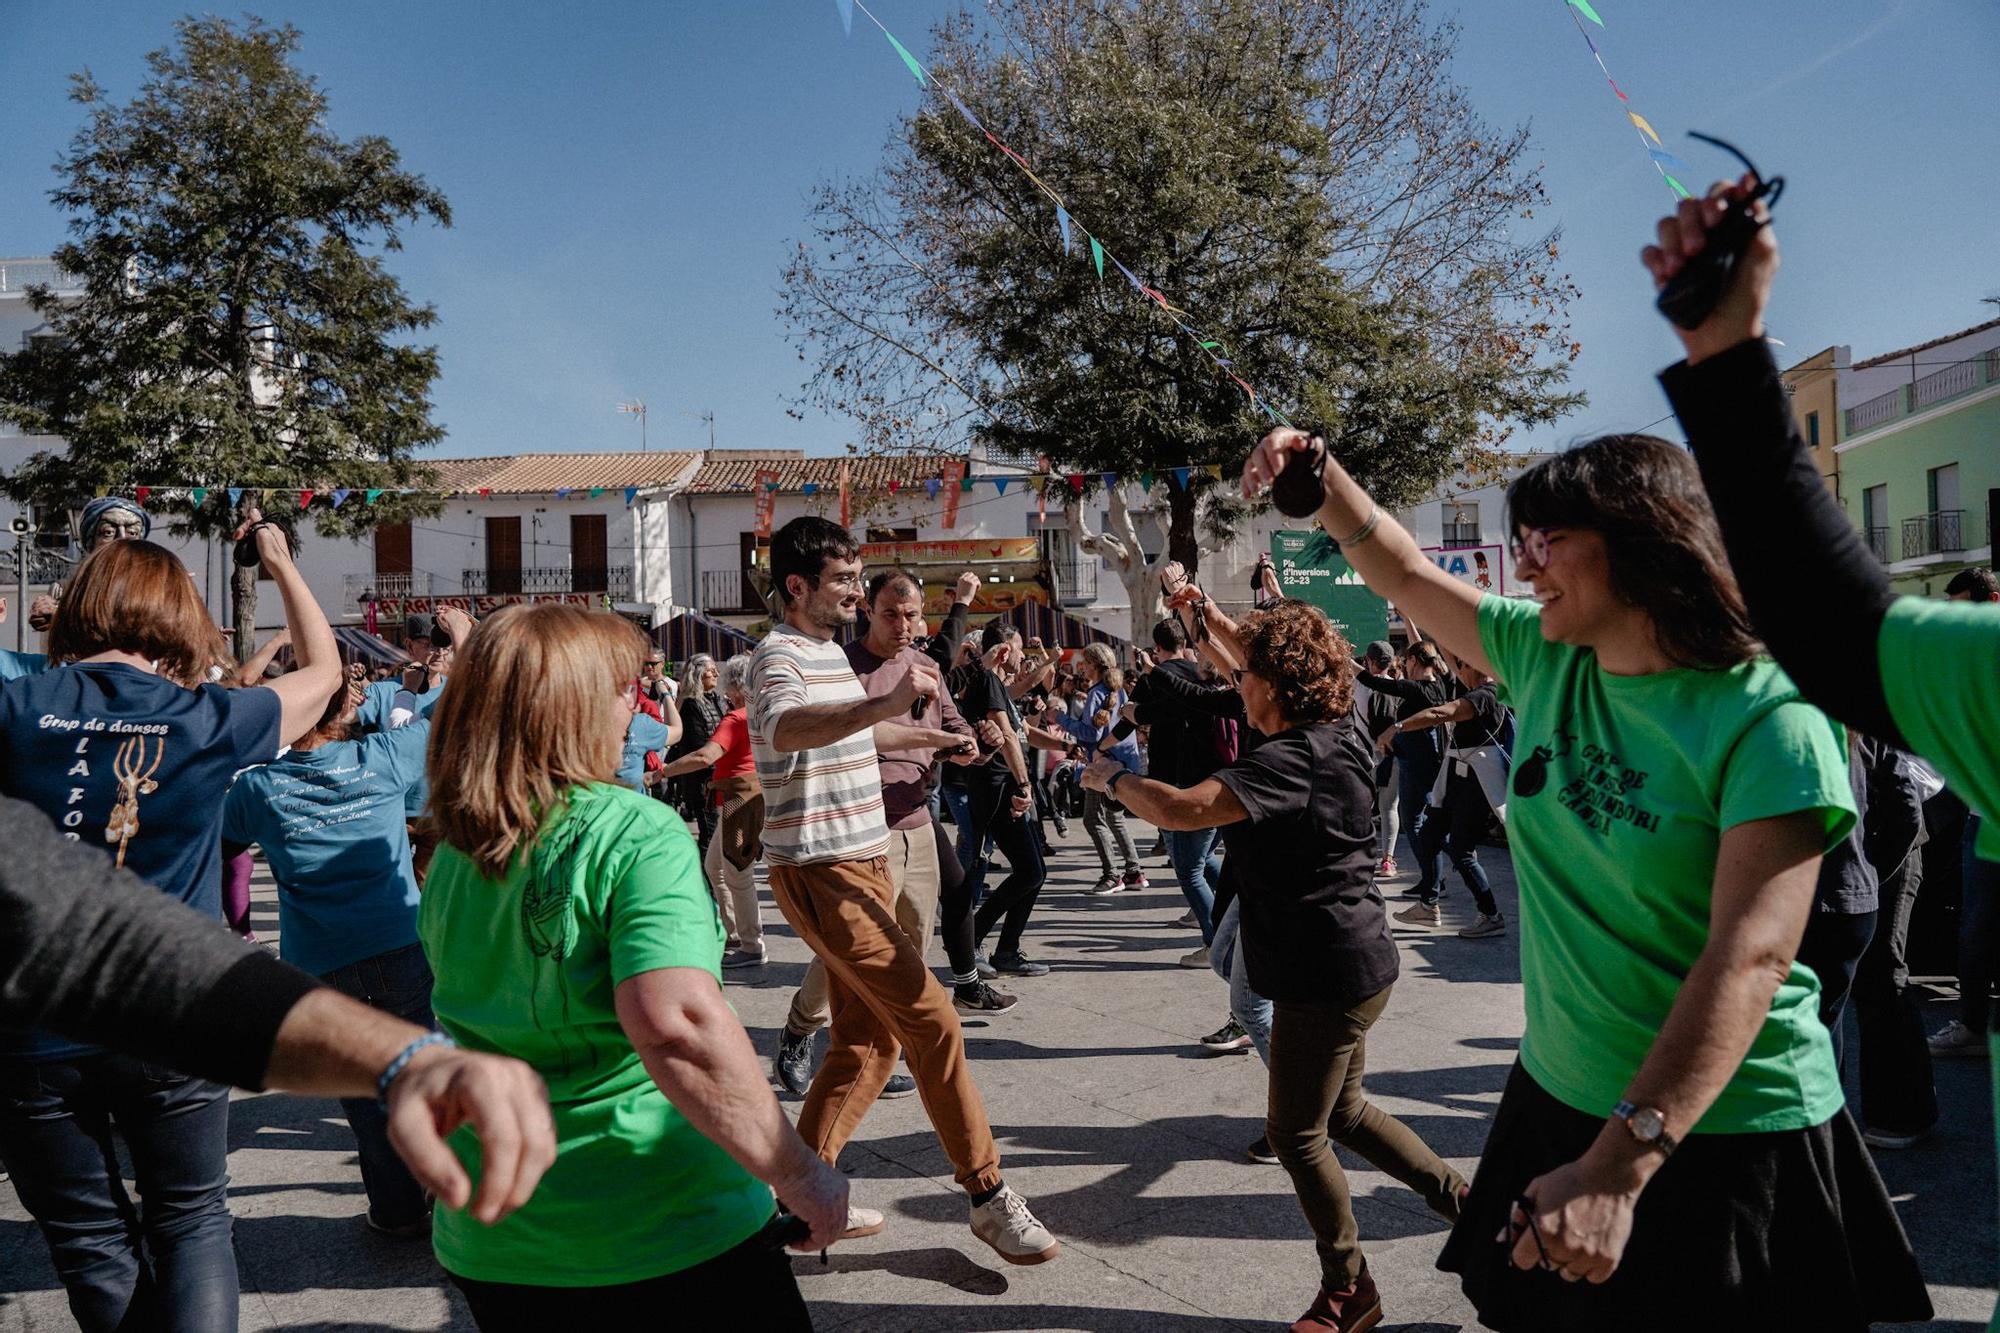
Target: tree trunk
243 608
1181 542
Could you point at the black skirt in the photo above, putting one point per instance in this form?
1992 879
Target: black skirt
1780 1231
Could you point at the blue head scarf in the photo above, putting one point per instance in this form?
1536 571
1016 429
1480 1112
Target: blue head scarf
105 504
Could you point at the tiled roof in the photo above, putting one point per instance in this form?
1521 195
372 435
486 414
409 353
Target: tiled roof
737 471
521 474
1902 352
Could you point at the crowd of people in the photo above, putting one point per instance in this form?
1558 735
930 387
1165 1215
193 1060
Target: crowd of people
513 876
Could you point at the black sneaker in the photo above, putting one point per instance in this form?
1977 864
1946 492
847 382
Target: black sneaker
980 998
899 1085
1016 964
1260 1151
1229 1037
795 1061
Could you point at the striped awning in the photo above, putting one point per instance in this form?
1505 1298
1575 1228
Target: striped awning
690 632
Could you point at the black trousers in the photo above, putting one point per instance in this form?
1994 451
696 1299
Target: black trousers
752 1281
1010 904
1898 1095
1832 948
954 905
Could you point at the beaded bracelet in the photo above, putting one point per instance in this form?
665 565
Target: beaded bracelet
402 1060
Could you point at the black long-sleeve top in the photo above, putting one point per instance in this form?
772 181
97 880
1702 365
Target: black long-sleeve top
1815 593
99 955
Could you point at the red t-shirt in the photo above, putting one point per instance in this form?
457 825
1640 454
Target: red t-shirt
733 735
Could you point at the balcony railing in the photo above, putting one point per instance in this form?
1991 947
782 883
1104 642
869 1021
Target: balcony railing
1074 579
380 587
17 275
614 581
1459 535
1878 542
1958 378
730 592
1934 534
44 567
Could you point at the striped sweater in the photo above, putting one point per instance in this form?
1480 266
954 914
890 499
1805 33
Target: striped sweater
822 804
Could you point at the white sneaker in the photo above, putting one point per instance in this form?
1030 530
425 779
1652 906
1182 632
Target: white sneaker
1199 958
1005 1223
1484 926
1955 1039
861 1222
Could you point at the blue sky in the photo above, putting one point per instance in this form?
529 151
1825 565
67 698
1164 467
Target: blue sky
628 184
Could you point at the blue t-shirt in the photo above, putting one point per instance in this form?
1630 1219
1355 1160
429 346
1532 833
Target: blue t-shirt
13 665
644 734
123 760
330 821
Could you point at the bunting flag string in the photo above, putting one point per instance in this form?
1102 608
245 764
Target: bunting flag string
1205 344
1663 162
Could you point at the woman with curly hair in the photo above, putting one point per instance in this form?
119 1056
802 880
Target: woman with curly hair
1298 822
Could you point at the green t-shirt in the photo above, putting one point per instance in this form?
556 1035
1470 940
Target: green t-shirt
1615 857
1941 676
1940 665
526 966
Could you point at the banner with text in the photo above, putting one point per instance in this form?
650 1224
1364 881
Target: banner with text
1311 568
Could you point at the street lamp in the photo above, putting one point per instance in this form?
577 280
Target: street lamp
637 408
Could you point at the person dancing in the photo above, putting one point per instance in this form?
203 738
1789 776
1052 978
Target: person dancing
1670 799
1297 815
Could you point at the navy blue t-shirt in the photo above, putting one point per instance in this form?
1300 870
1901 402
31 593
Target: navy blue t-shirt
125 761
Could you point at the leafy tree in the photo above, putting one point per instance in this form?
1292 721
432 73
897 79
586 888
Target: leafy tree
236 329
1304 179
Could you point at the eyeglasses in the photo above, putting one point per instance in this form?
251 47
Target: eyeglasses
1237 676
848 582
1533 546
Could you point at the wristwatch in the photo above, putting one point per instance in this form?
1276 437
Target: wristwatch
1647 1124
1111 785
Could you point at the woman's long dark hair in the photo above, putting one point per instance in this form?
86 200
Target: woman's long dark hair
1644 497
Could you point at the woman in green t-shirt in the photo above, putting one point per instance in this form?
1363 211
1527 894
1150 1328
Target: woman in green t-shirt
568 925
1672 1141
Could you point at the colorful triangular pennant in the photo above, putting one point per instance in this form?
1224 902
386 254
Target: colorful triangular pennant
1062 225
908 59
374 494
1097 257
1583 7
846 8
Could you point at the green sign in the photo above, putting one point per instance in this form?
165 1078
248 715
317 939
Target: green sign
1311 568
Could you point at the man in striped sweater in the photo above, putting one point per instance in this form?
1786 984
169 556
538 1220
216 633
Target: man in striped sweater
815 732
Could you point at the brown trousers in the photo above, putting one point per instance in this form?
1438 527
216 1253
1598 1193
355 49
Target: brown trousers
883 998
1317 1054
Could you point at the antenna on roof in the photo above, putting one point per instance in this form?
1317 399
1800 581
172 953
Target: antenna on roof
637 407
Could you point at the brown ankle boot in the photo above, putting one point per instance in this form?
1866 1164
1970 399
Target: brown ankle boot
1349 1310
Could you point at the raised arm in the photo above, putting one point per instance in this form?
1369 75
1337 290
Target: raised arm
1207 804
1386 556
1768 496
252 671
302 694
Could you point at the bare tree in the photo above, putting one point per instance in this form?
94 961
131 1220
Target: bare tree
1303 179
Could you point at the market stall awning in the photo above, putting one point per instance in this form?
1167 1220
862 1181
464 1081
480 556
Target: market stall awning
691 632
1058 629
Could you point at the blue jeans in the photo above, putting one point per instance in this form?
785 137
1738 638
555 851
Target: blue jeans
1246 1006
163 1263
1197 866
1455 830
399 983
1416 770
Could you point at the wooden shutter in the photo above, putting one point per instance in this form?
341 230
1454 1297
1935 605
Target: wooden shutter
588 553
503 555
